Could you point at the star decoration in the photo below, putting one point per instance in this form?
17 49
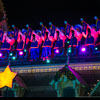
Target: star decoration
6 77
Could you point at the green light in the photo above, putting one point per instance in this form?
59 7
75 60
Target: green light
25 50
13 58
11 54
68 42
48 61
69 50
96 48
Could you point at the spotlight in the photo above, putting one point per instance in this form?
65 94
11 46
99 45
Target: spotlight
21 53
48 61
83 49
1 54
57 51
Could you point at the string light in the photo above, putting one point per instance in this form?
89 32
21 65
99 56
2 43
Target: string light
57 51
1 54
11 54
13 58
48 61
96 48
21 53
83 49
68 42
69 50
25 50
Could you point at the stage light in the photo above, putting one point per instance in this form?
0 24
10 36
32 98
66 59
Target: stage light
11 54
50 23
95 17
57 51
13 58
68 42
48 61
96 48
83 49
65 22
69 50
21 53
25 50
1 54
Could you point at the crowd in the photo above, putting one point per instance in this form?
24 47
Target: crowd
50 42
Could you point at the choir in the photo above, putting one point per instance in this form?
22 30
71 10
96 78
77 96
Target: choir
51 42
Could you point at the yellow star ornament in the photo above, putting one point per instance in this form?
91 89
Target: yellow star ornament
6 77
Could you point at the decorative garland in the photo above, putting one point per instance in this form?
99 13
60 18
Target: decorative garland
64 71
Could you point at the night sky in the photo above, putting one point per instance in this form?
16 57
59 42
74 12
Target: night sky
22 12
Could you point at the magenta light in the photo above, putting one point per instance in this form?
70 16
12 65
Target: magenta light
57 51
83 49
0 54
21 53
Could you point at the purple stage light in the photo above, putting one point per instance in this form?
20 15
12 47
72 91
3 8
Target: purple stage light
0 54
21 53
57 51
83 49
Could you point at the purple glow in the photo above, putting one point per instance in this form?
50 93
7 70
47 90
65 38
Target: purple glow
21 53
83 49
0 54
57 51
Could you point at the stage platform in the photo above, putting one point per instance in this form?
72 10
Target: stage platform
35 68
